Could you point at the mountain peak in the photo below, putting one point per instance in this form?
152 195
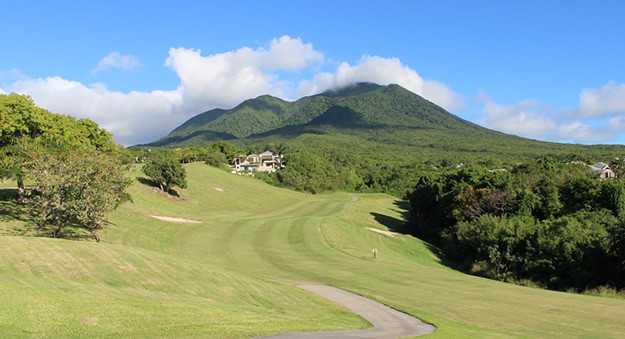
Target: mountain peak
351 89
360 108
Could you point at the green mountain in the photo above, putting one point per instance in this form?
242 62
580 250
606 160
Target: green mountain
363 106
387 125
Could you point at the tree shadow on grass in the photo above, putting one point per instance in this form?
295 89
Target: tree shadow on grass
11 211
403 226
397 225
151 183
393 224
9 208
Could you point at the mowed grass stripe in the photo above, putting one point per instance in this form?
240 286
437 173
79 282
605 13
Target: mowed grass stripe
162 296
227 272
269 245
406 274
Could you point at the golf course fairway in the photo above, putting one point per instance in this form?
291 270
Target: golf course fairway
226 256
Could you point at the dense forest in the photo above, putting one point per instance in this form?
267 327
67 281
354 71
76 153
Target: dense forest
556 224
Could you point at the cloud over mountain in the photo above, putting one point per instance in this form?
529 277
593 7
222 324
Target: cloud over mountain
217 80
226 79
289 68
382 71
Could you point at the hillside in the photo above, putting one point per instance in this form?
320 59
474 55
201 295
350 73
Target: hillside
233 274
368 138
375 107
391 123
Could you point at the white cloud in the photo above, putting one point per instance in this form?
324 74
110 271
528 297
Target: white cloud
617 123
602 101
218 80
526 118
206 82
598 118
133 117
580 132
226 79
531 119
291 54
10 76
119 61
383 71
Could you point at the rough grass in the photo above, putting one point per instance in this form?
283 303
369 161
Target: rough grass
232 275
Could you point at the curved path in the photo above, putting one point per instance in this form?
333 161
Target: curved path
387 322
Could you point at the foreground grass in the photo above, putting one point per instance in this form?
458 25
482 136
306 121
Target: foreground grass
61 288
232 275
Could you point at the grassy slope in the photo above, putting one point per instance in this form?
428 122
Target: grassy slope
61 288
231 274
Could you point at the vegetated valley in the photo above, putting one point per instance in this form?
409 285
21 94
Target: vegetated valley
188 249
500 206
365 138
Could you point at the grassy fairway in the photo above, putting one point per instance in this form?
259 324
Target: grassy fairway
232 274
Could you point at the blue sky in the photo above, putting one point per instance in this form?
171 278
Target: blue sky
548 70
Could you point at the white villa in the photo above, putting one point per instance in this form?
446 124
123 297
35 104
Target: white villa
603 170
264 162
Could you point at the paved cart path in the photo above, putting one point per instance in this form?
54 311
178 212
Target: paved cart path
387 322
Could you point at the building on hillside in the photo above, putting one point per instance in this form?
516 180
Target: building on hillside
603 171
264 162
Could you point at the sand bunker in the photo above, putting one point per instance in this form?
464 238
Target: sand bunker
387 233
180 220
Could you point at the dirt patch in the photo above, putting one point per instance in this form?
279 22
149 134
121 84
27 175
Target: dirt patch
180 220
91 321
387 233
126 267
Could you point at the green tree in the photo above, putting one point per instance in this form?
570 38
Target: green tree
227 149
308 172
577 244
549 204
216 159
21 119
165 169
73 186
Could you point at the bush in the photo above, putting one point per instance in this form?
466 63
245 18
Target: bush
215 159
165 169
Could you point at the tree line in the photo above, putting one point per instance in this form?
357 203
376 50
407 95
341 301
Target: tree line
68 172
553 223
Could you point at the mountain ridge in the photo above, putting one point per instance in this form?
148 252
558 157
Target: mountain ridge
395 126
375 106
370 138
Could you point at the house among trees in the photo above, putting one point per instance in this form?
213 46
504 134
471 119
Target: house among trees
603 170
264 162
